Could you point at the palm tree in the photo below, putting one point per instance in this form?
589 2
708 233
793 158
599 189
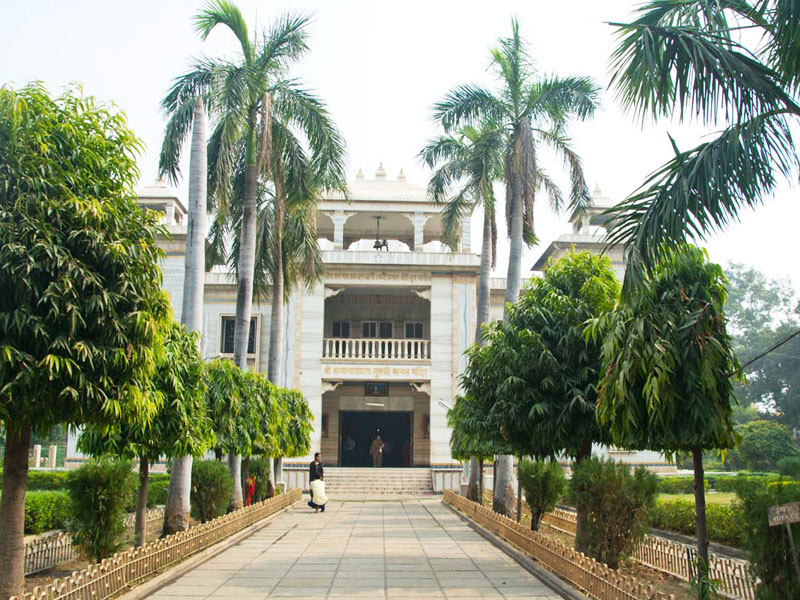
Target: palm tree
180 482
472 158
533 112
243 98
692 59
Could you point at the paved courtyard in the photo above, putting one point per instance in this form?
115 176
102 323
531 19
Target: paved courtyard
362 550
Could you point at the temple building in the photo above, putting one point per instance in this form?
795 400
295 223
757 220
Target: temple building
378 345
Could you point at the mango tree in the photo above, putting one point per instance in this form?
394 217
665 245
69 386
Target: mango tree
81 302
667 366
181 426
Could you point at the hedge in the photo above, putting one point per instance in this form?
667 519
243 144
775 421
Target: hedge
725 523
45 510
727 483
677 485
157 492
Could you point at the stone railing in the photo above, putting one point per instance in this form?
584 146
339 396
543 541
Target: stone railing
49 551
733 576
354 349
595 579
113 575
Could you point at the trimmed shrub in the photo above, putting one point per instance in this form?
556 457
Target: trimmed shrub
768 547
678 485
45 510
789 466
44 480
728 483
212 486
544 484
259 468
724 521
99 492
157 492
616 503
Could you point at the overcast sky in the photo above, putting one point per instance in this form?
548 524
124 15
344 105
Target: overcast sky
379 66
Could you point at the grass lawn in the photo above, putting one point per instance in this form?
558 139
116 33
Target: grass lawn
714 498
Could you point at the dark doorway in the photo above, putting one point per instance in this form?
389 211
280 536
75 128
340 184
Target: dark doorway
363 426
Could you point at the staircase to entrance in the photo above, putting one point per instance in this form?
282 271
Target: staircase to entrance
384 482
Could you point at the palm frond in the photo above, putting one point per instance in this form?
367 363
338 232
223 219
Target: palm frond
558 98
285 41
467 105
177 131
701 190
222 12
661 70
783 48
579 196
513 65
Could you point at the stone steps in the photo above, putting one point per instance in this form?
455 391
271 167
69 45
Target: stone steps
344 481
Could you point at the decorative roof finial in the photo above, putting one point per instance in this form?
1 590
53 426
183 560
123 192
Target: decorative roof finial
401 176
597 191
381 172
360 174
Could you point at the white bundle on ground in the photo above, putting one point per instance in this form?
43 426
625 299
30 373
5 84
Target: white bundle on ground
318 496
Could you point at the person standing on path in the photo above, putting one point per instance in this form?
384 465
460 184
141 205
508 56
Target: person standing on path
316 473
376 450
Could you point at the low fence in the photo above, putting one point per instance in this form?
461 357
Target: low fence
50 551
670 557
594 578
114 575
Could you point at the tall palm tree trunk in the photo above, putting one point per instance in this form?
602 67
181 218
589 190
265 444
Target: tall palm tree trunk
244 292
176 516
474 488
140 526
503 500
12 506
276 320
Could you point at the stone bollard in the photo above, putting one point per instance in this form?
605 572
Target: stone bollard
37 456
51 457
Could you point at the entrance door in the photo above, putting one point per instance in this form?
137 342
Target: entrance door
363 426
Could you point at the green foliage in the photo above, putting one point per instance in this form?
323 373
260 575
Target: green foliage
729 483
532 387
616 503
45 510
724 521
80 287
260 468
295 428
689 60
180 425
789 466
763 444
544 484
44 480
157 492
211 489
768 547
668 359
99 493
678 485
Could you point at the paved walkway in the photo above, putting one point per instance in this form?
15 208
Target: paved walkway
362 550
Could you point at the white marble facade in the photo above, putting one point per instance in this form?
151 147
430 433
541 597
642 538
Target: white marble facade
399 317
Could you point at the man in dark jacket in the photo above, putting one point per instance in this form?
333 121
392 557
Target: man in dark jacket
315 471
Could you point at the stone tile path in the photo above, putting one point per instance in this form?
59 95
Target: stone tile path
414 549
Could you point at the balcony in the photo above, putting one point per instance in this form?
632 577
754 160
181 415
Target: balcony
366 349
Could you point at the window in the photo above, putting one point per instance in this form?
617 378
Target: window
413 330
228 330
341 329
373 329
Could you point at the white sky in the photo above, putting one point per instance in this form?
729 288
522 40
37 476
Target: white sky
379 66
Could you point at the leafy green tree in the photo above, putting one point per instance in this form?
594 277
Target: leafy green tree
729 64
761 312
667 364
547 369
180 427
534 112
762 445
81 302
471 162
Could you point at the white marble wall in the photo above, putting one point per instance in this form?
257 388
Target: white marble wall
442 367
311 321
